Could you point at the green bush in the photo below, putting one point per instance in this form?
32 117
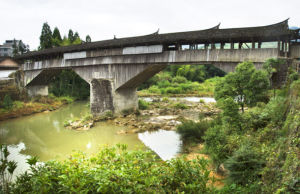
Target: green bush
215 144
154 89
7 102
179 79
18 104
275 111
143 105
245 165
165 99
190 130
163 84
116 170
173 90
180 106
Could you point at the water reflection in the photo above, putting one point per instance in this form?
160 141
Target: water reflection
166 144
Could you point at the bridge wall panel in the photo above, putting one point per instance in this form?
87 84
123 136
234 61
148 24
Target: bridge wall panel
75 55
104 52
167 57
295 51
142 49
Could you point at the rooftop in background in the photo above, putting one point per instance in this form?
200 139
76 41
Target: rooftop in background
269 33
8 63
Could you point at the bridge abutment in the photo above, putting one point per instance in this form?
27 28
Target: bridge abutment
37 90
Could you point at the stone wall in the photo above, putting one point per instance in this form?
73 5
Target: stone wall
101 96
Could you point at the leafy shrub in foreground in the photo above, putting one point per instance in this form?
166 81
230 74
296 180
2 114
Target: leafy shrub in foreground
116 170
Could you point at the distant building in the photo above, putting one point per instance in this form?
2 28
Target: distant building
7 66
8 46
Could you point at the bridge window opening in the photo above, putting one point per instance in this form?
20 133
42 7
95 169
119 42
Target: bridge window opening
218 45
171 47
185 47
236 45
227 46
247 45
201 46
269 45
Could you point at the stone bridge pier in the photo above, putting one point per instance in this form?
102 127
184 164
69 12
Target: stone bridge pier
113 87
104 97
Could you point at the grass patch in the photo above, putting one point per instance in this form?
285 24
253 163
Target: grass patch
143 105
180 106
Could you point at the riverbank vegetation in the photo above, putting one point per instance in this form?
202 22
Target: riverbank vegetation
256 148
12 109
182 80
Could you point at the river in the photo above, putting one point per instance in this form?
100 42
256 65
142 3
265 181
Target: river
44 136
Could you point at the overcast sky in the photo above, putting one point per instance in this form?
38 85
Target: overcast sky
102 19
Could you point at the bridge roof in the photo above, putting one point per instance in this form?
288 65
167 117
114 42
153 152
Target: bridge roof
274 32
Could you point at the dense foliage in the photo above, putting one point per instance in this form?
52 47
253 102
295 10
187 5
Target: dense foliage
260 147
191 130
116 170
246 85
182 79
68 83
50 40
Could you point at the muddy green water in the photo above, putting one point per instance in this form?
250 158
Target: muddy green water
44 136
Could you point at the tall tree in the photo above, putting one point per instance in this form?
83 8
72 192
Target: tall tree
76 35
56 34
88 38
71 36
56 37
46 37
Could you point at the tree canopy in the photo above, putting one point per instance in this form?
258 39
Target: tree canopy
46 37
50 40
246 85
